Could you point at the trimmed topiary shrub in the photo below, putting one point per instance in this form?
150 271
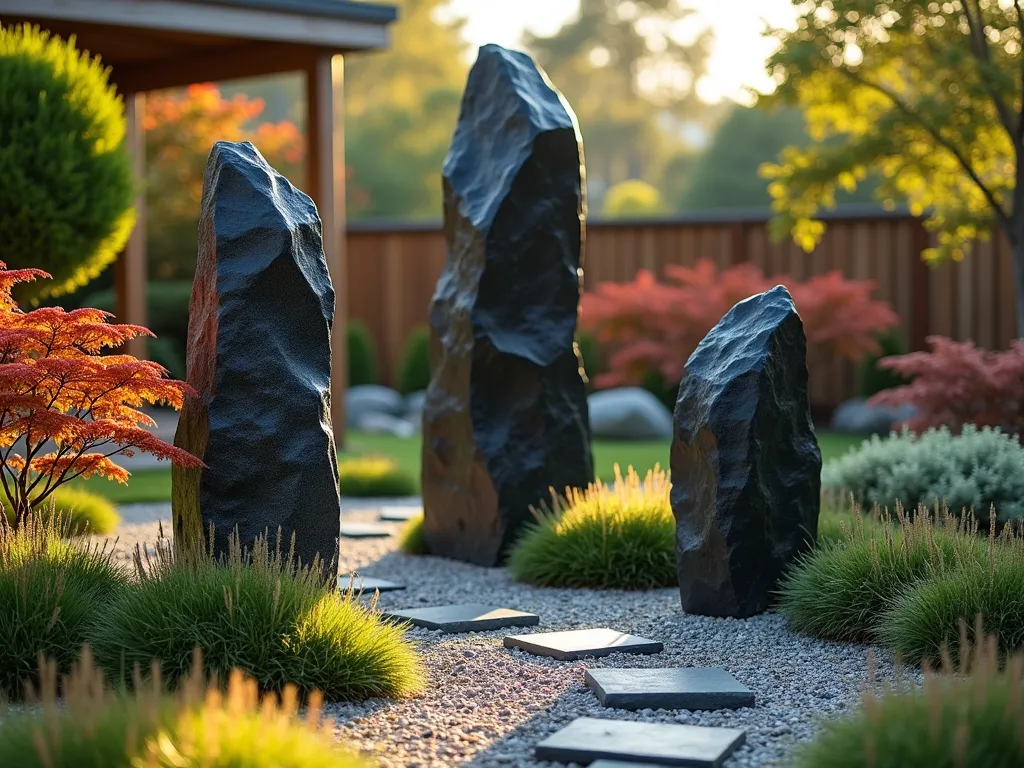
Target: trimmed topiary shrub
81 511
842 591
952 721
67 192
975 470
411 539
620 537
258 613
372 476
49 590
875 378
414 368
362 357
196 726
925 620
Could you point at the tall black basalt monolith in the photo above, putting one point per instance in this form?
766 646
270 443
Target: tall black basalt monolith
259 358
505 417
746 467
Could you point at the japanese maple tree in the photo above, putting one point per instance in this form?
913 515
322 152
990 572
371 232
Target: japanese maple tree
66 410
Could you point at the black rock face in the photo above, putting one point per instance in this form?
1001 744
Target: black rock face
746 468
505 417
259 357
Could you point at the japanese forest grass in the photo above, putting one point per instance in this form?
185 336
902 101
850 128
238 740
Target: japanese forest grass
50 591
618 537
200 724
257 612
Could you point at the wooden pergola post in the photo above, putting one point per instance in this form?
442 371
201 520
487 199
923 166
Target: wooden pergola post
325 178
131 267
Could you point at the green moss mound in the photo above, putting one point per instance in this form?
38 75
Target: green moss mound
840 590
195 727
67 192
951 722
82 511
620 537
414 368
258 613
374 477
49 591
974 470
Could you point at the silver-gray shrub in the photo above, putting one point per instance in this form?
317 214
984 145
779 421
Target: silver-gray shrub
973 470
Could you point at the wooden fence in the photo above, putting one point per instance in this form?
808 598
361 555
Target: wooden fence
393 269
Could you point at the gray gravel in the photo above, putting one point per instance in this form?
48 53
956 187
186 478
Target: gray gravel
488 706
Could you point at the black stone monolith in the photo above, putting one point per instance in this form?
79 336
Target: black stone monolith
259 358
746 468
505 417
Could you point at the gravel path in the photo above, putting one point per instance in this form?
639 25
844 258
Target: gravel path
488 706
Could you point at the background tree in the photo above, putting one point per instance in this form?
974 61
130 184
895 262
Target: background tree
66 187
401 106
629 70
632 198
929 94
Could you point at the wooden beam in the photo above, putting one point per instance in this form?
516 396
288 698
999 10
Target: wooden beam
325 177
131 263
212 65
203 18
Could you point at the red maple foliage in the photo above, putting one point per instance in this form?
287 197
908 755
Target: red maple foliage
956 383
647 325
59 394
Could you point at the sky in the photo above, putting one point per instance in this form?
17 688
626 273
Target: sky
738 52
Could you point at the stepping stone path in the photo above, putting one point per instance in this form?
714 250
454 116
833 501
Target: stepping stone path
587 739
366 584
579 643
363 531
683 688
464 618
399 514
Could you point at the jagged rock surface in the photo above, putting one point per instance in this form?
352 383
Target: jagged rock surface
746 467
259 358
505 417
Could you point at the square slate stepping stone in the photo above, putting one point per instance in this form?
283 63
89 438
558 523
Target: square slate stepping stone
687 688
399 514
470 617
363 531
579 643
367 584
588 739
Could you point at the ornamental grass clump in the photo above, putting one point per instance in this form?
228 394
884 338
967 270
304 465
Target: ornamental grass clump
841 591
925 619
50 589
373 476
258 612
967 716
200 725
604 537
411 539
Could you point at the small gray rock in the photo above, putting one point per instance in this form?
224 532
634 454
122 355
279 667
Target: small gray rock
372 398
858 418
629 413
382 424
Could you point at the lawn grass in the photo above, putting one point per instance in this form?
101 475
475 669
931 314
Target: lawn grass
153 485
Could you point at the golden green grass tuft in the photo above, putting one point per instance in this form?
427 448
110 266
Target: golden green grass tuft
602 537
200 725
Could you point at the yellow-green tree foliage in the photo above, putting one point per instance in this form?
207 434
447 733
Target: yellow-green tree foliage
632 198
928 93
66 187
